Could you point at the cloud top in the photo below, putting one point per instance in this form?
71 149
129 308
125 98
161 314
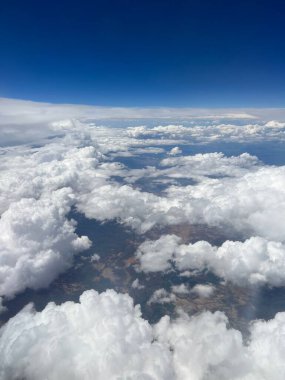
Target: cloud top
256 261
104 337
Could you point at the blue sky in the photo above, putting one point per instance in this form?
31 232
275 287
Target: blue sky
144 53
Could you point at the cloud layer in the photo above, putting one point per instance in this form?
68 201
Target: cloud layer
26 121
254 261
215 131
56 158
102 337
37 242
105 337
237 193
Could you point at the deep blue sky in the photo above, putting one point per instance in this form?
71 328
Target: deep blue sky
207 53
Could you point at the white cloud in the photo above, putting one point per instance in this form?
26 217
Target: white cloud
267 348
254 261
137 285
187 273
12 109
197 167
180 289
156 255
246 197
210 164
204 348
30 174
95 257
203 290
37 242
275 124
203 132
175 151
246 202
252 204
26 121
140 210
104 337
161 296
38 186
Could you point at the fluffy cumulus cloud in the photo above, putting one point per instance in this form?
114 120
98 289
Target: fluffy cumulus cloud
245 194
157 255
236 195
211 164
175 151
205 348
104 337
233 192
34 172
237 192
253 204
180 289
254 261
197 167
55 157
37 242
137 285
267 348
202 290
38 187
26 121
201 132
161 296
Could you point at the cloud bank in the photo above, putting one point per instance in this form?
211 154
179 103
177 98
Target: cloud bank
104 337
55 158
237 193
24 121
37 242
254 261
